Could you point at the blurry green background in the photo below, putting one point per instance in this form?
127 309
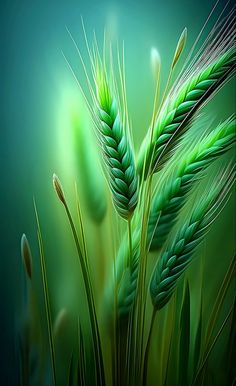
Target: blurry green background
36 91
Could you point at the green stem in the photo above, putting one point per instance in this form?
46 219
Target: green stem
204 361
143 296
46 298
115 358
129 345
128 331
146 354
219 300
81 227
91 305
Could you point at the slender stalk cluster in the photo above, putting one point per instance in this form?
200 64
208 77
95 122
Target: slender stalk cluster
166 205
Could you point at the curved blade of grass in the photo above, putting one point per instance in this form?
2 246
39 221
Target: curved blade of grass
71 372
207 354
171 343
220 299
231 349
197 343
198 336
82 358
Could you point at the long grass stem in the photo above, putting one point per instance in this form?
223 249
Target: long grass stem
147 349
46 298
91 305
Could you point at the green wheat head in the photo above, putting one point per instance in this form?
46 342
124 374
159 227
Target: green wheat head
174 261
169 199
175 116
116 147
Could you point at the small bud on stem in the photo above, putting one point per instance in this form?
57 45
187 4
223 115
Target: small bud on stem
180 47
26 256
58 188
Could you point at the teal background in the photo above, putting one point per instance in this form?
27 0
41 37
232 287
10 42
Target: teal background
35 83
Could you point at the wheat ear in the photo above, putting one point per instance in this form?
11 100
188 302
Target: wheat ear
179 108
112 130
168 201
117 151
176 258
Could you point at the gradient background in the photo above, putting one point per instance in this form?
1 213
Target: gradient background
36 86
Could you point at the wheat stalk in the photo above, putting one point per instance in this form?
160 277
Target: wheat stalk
168 201
46 297
117 151
179 108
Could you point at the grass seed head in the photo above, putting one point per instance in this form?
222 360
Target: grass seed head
26 256
58 188
155 62
180 47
